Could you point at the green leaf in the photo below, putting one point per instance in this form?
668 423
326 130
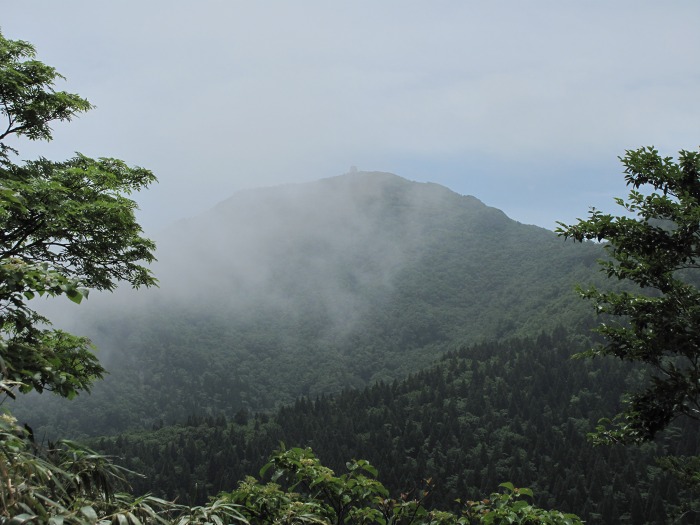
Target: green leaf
75 296
133 518
89 513
508 486
23 518
526 492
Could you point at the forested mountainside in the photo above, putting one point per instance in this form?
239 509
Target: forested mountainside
513 411
312 288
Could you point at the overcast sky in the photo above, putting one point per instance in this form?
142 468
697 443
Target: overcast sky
523 104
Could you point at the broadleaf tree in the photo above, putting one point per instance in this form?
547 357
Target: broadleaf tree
653 318
302 490
65 227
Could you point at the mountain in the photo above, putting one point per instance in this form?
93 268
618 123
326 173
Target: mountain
311 288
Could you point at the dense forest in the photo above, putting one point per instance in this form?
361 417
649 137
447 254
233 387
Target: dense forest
516 411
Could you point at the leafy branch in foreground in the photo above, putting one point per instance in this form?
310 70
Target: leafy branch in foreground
70 484
301 490
67 483
655 246
65 227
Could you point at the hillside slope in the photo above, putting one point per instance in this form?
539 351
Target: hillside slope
310 288
514 411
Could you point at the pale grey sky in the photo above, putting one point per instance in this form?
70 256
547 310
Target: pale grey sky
525 105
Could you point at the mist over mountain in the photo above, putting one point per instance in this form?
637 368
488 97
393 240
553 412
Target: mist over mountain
332 242
310 288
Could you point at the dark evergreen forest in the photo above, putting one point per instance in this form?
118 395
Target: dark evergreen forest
516 411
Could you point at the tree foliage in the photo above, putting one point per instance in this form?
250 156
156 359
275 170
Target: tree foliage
654 246
66 483
28 100
301 490
65 227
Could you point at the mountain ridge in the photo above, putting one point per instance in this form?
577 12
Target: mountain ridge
310 288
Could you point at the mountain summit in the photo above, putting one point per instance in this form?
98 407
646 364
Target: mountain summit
312 288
